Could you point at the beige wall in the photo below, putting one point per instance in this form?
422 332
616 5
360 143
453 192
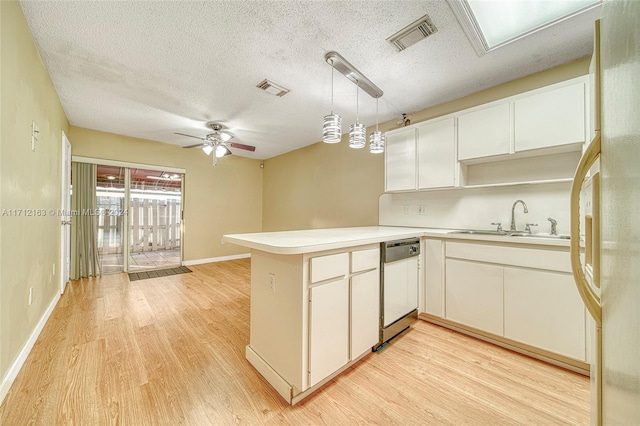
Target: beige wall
29 246
217 200
326 185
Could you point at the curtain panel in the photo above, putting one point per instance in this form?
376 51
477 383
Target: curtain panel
84 222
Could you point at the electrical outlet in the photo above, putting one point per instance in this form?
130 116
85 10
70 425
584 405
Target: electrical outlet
30 295
272 283
407 210
222 240
422 210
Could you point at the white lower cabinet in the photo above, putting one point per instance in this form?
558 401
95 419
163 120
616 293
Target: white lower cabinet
522 293
344 313
474 295
365 312
328 329
544 309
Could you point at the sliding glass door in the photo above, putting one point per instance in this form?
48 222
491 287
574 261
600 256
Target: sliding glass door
110 197
139 219
155 206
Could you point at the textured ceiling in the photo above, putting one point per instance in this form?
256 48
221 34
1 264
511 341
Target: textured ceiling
149 69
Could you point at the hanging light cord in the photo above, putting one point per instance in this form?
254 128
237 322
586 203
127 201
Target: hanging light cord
377 113
357 101
332 69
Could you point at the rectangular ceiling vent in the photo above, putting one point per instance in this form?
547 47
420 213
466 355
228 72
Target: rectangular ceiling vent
413 33
272 88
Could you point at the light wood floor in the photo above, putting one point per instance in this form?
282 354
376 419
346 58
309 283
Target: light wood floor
171 351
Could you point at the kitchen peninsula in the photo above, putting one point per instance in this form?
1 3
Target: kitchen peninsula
315 297
314 302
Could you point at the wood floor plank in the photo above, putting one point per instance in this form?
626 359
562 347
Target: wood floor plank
170 350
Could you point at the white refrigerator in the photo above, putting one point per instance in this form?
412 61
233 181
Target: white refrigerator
612 245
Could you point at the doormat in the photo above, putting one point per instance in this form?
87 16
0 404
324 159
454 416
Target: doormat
135 276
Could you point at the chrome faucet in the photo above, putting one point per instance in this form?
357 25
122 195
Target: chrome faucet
513 218
554 226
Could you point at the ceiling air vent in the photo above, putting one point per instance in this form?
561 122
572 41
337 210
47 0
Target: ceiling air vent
411 34
272 88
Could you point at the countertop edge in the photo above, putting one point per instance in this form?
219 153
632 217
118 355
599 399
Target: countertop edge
401 234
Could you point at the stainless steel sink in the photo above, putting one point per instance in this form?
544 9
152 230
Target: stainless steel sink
555 237
480 232
510 234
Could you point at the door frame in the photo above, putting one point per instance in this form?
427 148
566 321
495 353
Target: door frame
65 185
129 166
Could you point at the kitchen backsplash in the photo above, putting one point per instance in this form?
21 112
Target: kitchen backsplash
477 208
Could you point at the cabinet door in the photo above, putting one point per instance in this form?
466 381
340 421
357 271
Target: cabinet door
328 329
544 309
484 133
552 118
400 160
436 154
434 268
474 295
365 312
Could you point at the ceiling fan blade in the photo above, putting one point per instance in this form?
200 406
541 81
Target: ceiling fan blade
190 136
198 145
242 146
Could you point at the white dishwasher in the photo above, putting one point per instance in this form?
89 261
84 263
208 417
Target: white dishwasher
398 286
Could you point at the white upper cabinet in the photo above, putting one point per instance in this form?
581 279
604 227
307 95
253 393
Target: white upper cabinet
400 160
484 132
436 153
551 118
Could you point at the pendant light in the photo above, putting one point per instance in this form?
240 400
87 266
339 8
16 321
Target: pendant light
357 132
377 138
332 125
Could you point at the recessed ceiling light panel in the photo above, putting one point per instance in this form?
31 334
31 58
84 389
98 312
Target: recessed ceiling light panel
492 24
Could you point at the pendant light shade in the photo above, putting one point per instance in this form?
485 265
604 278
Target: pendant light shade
357 136
376 142
332 128
377 139
357 131
332 125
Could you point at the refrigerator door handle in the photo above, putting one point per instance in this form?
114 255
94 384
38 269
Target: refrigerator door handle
589 297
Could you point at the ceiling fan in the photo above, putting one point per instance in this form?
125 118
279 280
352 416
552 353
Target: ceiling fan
217 142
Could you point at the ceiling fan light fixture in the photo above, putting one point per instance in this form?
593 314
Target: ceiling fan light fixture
208 149
222 151
225 137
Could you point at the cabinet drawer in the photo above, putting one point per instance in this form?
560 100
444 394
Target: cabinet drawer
326 267
553 260
363 260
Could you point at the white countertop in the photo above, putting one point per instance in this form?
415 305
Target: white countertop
314 240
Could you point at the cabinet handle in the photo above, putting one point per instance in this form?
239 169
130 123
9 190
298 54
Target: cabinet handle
589 297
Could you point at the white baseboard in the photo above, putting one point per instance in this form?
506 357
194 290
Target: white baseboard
13 371
216 259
